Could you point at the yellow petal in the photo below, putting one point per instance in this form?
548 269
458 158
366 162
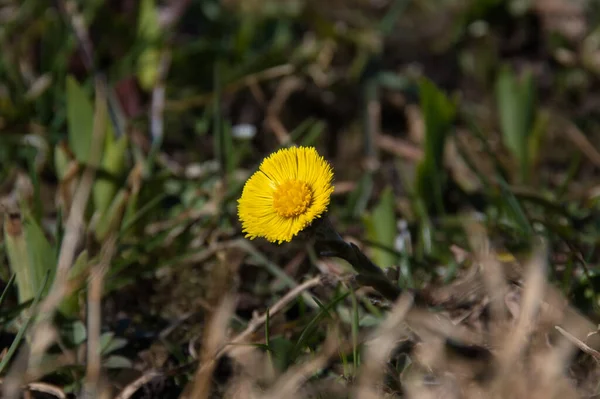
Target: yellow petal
286 169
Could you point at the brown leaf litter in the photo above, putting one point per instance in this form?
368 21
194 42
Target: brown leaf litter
498 331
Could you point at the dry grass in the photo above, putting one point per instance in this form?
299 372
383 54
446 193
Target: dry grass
520 339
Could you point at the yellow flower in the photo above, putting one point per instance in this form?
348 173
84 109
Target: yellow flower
288 192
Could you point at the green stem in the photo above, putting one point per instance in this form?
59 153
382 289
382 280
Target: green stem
330 243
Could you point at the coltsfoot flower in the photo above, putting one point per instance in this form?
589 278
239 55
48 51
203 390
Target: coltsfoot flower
291 189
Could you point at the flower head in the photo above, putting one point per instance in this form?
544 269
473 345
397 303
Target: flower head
288 192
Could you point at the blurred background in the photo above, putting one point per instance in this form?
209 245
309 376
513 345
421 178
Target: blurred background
129 127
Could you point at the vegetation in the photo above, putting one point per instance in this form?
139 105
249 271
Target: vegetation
464 146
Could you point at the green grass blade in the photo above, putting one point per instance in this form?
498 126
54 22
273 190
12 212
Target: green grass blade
7 288
516 108
312 324
355 328
313 134
132 218
514 206
381 229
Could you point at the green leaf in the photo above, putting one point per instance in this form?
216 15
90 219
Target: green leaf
74 333
80 120
41 253
112 219
117 362
438 114
393 81
30 255
80 265
245 35
369 321
148 34
516 107
105 340
536 137
281 352
113 163
381 229
109 344
358 199
61 161
70 304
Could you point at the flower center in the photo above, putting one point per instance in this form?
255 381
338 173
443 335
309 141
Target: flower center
292 198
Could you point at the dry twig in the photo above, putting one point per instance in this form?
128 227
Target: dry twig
42 334
579 343
257 322
136 384
96 285
215 337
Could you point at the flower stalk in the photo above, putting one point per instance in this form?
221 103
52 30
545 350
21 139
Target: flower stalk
329 243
